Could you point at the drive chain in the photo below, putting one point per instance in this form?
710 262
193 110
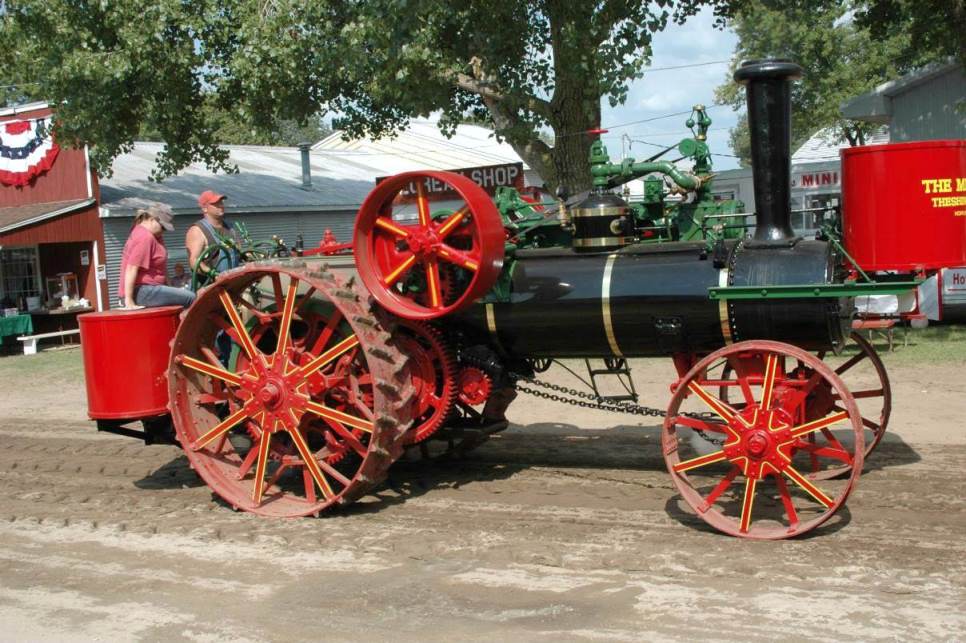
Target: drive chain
587 400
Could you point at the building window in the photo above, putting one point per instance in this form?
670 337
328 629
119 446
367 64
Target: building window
19 275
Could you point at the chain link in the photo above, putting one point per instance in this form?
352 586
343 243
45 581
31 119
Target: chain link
590 401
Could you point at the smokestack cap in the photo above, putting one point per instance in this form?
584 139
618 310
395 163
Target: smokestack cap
767 69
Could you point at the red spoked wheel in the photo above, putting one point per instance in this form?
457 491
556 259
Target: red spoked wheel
435 265
866 377
287 395
433 369
742 467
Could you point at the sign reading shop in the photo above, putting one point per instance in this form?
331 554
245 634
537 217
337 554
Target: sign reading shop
488 177
811 180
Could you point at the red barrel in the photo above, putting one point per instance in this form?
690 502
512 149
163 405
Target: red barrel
904 205
125 357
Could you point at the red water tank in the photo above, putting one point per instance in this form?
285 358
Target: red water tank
904 205
125 357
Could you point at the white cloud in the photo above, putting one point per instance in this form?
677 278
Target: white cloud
660 93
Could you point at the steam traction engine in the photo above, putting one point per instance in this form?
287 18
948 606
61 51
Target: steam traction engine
331 374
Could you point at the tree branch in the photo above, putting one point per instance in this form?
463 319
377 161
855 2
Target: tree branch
485 87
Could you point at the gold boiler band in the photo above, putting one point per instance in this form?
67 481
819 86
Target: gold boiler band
605 306
602 242
723 309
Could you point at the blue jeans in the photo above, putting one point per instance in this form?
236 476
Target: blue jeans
151 296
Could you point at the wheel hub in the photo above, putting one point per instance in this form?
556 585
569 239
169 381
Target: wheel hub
278 392
760 441
423 241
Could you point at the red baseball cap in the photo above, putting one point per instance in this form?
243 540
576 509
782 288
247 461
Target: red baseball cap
208 197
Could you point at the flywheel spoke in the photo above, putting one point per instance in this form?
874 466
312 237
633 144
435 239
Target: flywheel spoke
433 285
422 205
855 359
452 221
399 270
390 226
458 257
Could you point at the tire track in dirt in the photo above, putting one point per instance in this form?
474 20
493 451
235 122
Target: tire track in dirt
581 537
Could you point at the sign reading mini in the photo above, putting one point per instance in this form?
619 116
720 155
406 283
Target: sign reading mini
27 150
488 177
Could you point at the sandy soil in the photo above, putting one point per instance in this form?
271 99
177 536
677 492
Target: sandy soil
565 527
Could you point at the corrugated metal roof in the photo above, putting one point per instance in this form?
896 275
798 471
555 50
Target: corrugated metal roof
818 148
268 179
422 145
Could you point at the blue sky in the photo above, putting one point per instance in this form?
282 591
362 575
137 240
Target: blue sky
665 92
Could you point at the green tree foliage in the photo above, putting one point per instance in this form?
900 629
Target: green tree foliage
119 67
841 58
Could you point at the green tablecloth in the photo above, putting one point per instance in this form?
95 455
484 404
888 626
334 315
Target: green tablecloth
16 325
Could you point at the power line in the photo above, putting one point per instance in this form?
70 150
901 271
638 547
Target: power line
709 62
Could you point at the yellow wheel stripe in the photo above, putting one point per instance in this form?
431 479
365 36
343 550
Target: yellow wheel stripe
818 424
221 427
385 224
338 416
713 403
768 386
393 277
286 318
432 278
311 463
346 344
812 490
260 466
747 504
700 461
452 222
422 205
243 337
208 369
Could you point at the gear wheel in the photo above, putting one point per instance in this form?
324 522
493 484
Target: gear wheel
474 386
433 369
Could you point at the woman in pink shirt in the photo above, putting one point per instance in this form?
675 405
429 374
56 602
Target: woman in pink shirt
144 263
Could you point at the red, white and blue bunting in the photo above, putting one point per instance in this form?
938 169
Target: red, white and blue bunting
27 150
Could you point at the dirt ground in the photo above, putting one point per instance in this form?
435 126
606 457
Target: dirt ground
565 527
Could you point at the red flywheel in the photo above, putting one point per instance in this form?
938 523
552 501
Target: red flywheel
426 266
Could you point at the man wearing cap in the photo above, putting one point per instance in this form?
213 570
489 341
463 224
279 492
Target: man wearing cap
212 230
144 263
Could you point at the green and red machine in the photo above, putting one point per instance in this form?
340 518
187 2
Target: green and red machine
449 313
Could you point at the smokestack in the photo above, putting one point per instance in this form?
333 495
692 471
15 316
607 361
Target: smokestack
306 166
768 84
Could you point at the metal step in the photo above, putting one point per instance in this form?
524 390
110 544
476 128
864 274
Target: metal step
617 367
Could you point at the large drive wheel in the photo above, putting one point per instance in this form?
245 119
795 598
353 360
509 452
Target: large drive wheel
752 482
287 394
433 266
874 402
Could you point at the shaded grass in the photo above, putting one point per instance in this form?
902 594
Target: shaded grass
59 366
930 345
